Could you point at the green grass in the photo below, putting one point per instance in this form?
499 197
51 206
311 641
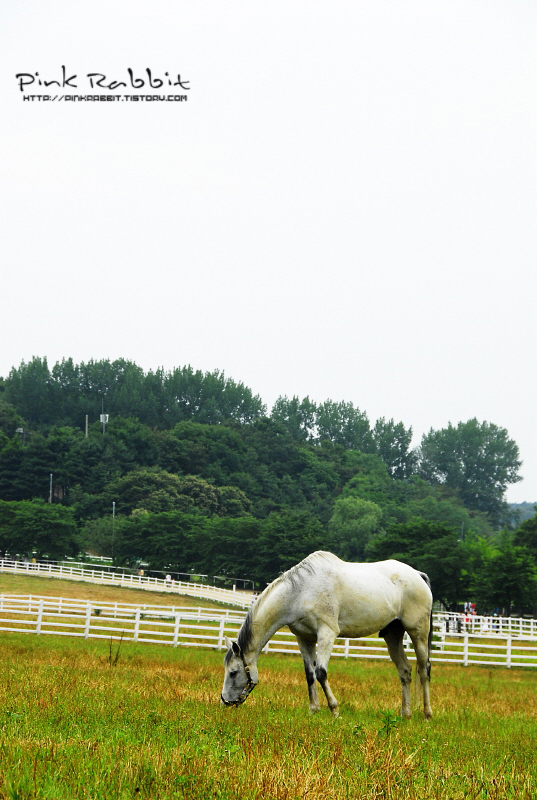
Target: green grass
73 725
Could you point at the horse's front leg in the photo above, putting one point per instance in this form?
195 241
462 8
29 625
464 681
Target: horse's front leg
325 642
308 654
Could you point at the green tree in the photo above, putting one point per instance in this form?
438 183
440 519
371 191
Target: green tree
10 420
392 442
99 536
214 452
526 535
286 538
506 579
230 546
31 390
344 424
479 460
352 525
45 529
298 416
169 540
157 491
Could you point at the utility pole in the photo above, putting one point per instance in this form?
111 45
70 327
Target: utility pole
50 490
113 528
104 417
87 422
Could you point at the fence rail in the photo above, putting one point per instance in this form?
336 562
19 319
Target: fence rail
241 599
204 627
451 622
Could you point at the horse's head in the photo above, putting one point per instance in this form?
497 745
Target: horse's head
238 681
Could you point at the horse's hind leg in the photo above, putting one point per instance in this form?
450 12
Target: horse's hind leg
393 635
308 654
421 646
325 642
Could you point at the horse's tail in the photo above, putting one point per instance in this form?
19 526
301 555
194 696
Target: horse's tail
430 639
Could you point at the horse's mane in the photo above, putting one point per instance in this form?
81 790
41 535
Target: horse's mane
293 576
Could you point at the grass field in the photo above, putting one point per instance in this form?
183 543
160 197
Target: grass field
80 719
78 723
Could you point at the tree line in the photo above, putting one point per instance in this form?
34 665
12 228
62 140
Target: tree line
203 478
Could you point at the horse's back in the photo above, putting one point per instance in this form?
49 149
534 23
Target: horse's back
364 597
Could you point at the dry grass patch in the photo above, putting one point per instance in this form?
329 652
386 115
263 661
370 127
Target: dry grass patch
94 593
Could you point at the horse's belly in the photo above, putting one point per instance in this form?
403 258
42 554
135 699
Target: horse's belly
363 621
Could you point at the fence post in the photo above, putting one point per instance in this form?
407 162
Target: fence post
39 618
221 634
176 630
465 657
509 644
346 648
136 625
88 620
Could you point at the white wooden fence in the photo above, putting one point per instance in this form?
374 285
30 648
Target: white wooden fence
241 599
204 627
450 622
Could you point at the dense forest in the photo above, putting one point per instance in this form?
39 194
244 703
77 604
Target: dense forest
205 479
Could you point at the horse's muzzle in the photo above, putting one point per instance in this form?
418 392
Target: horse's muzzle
225 702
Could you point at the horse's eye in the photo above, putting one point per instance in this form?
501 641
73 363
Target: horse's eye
233 673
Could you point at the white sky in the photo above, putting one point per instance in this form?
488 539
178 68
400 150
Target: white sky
345 207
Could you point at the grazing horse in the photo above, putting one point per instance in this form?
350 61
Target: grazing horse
324 598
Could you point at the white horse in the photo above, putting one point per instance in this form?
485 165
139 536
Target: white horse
324 598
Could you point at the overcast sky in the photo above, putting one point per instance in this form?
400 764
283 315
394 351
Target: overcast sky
344 208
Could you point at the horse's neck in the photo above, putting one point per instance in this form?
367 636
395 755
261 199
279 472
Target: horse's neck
270 614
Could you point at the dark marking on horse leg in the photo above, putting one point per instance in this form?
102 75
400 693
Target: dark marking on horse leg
321 674
310 676
405 676
307 649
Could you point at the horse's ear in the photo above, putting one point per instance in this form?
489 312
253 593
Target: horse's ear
236 648
229 643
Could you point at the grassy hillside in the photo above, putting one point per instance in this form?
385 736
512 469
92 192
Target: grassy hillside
52 587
